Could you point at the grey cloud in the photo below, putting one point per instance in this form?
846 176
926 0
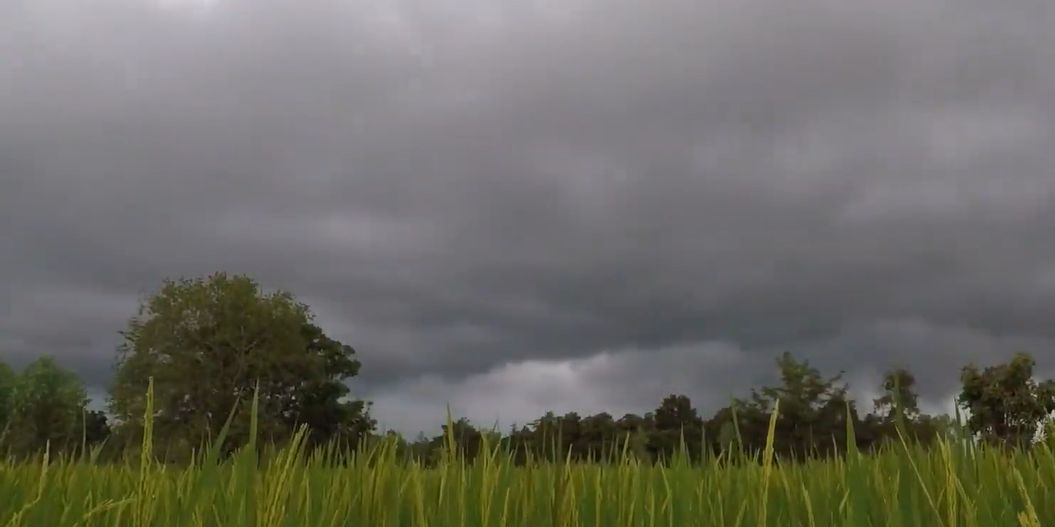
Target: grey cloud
613 382
460 186
710 373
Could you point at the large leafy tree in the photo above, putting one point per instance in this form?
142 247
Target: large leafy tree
1004 403
48 408
211 343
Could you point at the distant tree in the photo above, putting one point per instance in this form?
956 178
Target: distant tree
96 427
569 434
467 440
634 433
210 342
721 431
811 419
47 408
676 422
898 408
1004 403
598 438
898 395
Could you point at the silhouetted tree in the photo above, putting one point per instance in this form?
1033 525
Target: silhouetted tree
467 440
96 427
676 425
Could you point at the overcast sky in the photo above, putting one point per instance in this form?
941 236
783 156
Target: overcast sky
520 205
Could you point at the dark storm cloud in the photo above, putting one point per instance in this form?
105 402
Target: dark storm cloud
460 187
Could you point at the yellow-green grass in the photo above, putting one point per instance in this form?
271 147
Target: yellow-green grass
953 483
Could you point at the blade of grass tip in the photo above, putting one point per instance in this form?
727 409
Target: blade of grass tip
246 460
17 519
767 461
209 458
951 481
449 436
213 447
809 506
736 428
142 509
919 477
1028 517
253 419
84 432
851 434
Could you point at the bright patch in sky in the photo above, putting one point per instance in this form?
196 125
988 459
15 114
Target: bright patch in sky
190 5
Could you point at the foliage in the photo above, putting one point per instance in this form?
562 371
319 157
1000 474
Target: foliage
209 343
899 395
1005 404
900 485
897 414
1047 435
47 408
676 424
813 412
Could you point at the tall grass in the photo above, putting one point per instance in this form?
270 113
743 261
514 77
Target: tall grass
951 484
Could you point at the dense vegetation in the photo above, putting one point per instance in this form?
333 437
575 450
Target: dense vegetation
954 482
229 406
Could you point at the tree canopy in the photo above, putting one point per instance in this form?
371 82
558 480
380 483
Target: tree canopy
210 343
812 416
1004 403
899 395
48 407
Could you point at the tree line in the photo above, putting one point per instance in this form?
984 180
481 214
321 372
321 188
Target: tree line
214 347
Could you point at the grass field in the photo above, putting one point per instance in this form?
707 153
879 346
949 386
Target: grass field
903 485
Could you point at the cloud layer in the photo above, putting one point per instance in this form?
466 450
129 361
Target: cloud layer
503 201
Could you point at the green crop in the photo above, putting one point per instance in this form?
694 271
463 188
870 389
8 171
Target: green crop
954 483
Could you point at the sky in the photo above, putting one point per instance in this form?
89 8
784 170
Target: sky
514 206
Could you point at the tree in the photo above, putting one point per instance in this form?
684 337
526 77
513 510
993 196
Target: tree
96 427
898 394
467 440
676 420
812 417
320 402
898 409
634 432
597 439
1004 403
48 408
211 343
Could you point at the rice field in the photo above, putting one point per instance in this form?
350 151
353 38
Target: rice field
954 483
